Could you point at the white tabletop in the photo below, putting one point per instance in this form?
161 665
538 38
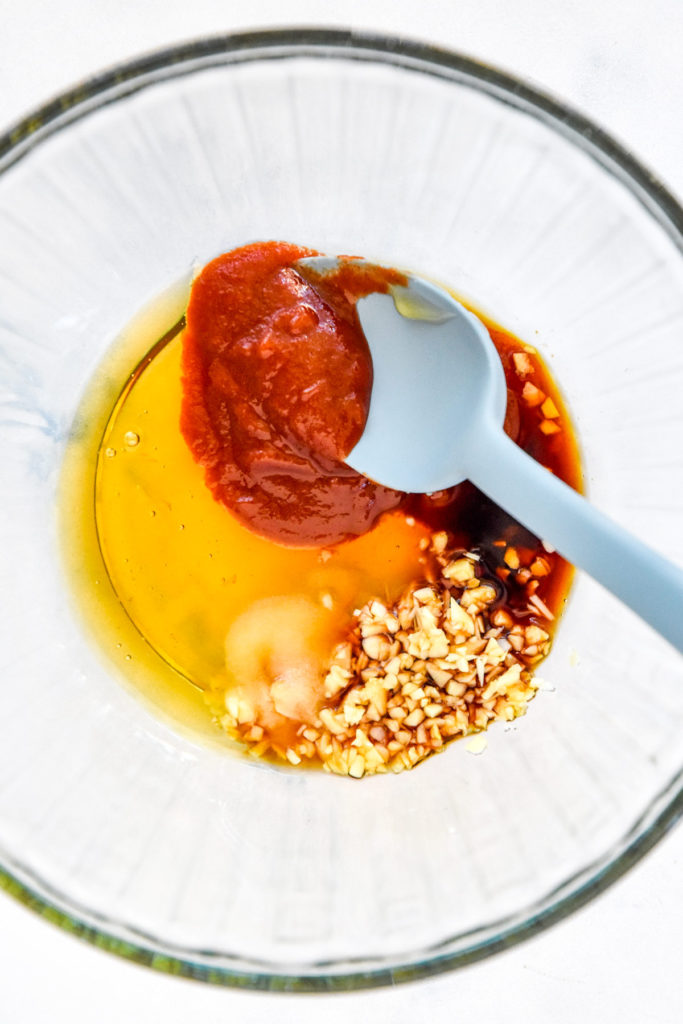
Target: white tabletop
618 61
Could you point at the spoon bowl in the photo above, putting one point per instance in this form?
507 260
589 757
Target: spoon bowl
438 383
436 419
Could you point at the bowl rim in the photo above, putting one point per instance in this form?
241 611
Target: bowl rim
306 41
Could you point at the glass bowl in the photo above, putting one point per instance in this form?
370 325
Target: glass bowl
169 851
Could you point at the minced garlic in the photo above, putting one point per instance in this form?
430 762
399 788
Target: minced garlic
443 662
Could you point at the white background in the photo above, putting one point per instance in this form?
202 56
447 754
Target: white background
617 960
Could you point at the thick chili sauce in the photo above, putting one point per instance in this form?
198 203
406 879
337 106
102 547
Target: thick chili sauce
277 382
277 377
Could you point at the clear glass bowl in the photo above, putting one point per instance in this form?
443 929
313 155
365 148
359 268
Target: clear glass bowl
177 855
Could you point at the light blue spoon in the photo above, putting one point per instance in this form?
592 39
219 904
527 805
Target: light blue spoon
436 419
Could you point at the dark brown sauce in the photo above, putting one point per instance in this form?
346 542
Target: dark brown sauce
477 523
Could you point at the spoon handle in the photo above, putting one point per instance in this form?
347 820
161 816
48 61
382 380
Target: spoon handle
645 581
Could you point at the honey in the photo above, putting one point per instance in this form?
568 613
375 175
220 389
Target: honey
161 569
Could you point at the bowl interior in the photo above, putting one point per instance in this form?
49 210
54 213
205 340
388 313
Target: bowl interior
240 871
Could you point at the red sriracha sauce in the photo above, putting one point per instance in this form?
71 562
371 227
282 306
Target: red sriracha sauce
277 377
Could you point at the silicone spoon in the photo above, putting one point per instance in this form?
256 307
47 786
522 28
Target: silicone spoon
436 419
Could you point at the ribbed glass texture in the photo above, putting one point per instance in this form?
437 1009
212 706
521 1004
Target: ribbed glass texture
262 874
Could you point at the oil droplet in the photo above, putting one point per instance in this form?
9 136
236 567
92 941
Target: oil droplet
110 452
131 438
